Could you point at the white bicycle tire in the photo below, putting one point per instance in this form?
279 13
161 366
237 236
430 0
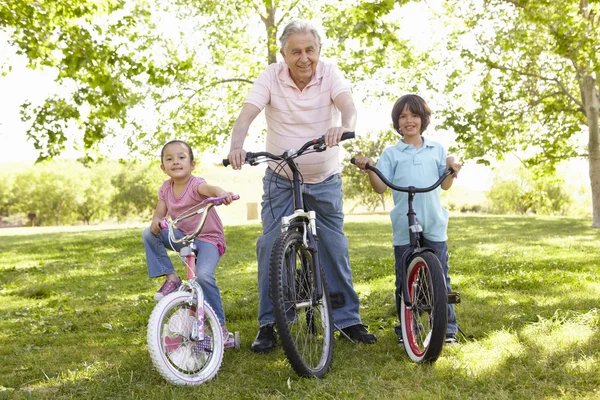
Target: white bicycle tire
163 362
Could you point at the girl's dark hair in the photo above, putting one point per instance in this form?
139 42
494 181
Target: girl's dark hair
416 105
162 151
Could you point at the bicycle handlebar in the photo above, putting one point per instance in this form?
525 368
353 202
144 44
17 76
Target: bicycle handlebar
209 203
410 189
251 157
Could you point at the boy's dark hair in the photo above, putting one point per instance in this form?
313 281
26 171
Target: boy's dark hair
162 151
416 105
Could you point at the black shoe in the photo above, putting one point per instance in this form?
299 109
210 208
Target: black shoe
451 339
358 333
265 340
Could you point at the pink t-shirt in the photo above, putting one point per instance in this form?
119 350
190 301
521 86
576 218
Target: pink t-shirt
295 116
212 232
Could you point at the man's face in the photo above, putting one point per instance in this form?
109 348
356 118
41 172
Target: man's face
301 54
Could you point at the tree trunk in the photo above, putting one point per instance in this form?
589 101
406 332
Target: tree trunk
382 201
269 21
591 105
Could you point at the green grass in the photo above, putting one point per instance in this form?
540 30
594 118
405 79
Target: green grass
74 308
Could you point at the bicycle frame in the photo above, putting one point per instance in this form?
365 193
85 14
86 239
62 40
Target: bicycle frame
187 255
414 229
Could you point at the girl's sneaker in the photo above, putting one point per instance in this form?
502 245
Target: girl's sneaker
167 288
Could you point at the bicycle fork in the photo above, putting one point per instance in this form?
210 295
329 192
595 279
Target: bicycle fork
188 256
309 241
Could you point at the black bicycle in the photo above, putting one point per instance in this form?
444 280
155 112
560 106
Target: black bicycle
423 301
297 287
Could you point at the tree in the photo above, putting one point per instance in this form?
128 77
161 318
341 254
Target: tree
93 200
536 66
356 182
186 62
523 191
136 187
48 191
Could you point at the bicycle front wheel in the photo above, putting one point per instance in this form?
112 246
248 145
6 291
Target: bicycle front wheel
424 324
177 357
303 318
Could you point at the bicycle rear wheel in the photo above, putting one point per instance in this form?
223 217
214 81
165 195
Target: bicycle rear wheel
178 358
424 324
304 322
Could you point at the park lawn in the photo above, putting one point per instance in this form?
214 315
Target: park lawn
74 308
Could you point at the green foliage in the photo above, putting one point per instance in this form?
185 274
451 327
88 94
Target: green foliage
188 63
74 326
356 183
93 200
525 192
62 192
526 62
48 191
6 194
136 187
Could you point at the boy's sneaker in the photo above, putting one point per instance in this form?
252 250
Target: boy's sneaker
451 339
167 288
359 333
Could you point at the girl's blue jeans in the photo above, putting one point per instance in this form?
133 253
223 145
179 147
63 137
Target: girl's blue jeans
159 264
441 251
325 199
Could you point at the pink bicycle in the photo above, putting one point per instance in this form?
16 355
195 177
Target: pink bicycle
185 338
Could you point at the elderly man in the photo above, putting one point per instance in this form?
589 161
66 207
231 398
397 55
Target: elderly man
303 97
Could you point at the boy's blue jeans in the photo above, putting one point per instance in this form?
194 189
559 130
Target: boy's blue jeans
160 264
441 251
325 199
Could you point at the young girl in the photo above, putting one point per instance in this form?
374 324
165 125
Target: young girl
175 196
416 161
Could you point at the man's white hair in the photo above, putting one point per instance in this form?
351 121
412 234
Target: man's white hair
298 26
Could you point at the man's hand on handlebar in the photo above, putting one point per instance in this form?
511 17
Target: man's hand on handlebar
334 135
237 158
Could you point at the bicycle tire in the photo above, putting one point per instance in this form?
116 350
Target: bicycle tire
178 358
306 334
424 326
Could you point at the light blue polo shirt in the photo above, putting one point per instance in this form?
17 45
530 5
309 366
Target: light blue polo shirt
403 165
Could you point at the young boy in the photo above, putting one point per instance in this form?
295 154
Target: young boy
416 161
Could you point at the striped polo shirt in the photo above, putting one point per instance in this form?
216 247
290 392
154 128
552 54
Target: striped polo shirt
295 116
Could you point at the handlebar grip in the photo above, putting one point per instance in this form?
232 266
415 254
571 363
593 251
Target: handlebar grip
249 156
347 135
353 160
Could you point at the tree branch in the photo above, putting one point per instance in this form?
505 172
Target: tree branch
544 78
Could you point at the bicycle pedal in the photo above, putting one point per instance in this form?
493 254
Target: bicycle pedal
453 298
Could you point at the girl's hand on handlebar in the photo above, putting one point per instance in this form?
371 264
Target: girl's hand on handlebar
236 158
228 198
362 162
452 162
155 226
334 135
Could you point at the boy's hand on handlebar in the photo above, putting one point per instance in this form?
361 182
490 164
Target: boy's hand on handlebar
452 162
334 135
236 158
362 162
